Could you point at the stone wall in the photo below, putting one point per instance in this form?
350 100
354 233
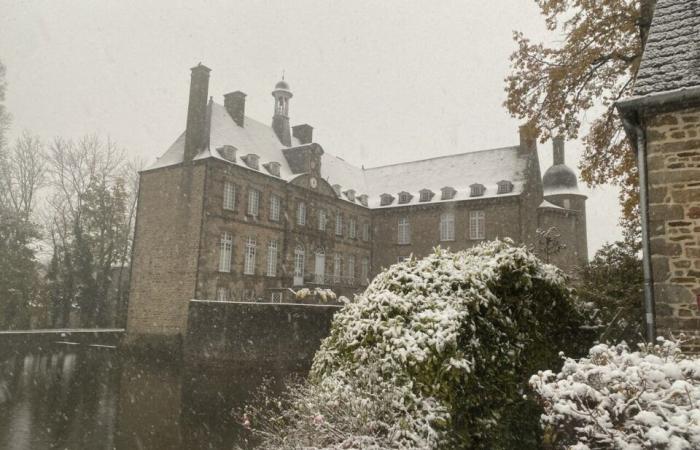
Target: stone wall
673 143
222 333
502 219
166 245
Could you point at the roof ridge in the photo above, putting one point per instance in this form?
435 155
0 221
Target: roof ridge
512 147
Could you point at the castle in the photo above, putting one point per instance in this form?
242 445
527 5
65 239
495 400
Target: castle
238 210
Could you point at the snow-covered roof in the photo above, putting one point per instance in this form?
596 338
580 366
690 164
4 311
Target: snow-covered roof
671 58
486 167
548 205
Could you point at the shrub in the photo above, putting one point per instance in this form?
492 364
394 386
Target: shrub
615 398
435 353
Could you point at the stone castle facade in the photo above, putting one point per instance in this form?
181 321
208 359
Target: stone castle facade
237 210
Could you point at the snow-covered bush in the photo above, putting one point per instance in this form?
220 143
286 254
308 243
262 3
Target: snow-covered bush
616 398
434 352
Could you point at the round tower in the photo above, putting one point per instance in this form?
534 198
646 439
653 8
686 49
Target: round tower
280 120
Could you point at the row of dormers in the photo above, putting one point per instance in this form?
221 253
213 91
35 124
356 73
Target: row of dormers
446 193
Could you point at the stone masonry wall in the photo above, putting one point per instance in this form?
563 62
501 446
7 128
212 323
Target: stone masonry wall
166 244
673 143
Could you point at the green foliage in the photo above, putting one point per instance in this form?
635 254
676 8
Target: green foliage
436 353
612 283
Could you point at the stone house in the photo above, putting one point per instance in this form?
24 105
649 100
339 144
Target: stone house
239 210
662 120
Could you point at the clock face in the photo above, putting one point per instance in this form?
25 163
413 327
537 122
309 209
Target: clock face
313 182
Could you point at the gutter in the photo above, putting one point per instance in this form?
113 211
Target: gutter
649 300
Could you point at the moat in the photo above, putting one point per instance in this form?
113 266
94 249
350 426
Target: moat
81 397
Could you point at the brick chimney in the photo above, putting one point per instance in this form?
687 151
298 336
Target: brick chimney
303 132
558 150
234 102
196 131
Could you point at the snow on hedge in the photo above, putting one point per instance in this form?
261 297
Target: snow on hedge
430 354
616 398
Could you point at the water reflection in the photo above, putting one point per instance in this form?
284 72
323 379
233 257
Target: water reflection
90 398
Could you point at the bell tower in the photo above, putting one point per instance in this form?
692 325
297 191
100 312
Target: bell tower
280 120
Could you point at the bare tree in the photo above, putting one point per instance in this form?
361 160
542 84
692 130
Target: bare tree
22 174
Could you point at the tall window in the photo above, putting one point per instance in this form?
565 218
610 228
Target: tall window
229 195
272 259
274 208
477 225
253 202
249 263
364 270
337 264
365 232
225 249
321 220
299 259
353 228
301 213
447 227
404 231
222 294
338 224
351 267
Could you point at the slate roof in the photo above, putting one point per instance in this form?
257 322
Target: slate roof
486 167
671 58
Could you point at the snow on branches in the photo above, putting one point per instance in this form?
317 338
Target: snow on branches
616 398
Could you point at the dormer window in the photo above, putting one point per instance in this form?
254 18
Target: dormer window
350 194
228 152
386 199
505 187
477 190
251 160
273 167
448 193
426 195
363 199
337 188
404 197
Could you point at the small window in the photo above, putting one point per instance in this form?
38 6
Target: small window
477 225
338 224
276 297
447 193
386 199
350 194
249 262
273 167
365 232
322 219
505 187
404 197
251 160
477 190
222 294
447 226
363 199
229 196
404 231
426 195
272 259
275 204
225 249
567 203
336 189
352 225
253 202
301 213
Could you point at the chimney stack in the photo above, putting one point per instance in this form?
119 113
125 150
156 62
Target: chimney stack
303 132
558 150
234 102
528 140
196 131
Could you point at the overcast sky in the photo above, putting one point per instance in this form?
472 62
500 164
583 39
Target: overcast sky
380 81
